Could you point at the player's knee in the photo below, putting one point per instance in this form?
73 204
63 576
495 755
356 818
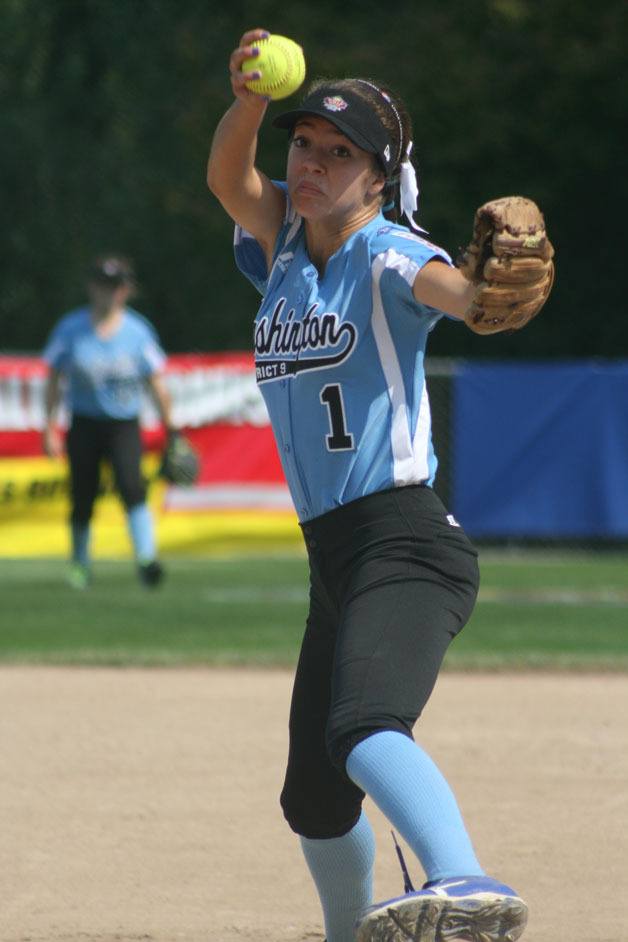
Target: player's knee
81 515
133 494
341 740
339 744
320 816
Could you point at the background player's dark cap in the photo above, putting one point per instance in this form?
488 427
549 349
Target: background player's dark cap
111 270
351 114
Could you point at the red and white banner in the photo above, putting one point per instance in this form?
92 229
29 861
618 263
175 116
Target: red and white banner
215 401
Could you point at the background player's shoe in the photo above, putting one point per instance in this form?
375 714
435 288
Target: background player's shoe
78 576
151 573
479 909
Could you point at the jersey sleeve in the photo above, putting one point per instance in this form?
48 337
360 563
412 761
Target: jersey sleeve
249 255
57 349
151 355
402 260
250 258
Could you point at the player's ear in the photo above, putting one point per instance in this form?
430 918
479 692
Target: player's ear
377 183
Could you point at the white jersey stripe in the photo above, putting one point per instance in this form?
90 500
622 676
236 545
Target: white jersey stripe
406 468
422 436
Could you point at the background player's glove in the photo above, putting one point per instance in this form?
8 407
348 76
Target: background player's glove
509 258
180 463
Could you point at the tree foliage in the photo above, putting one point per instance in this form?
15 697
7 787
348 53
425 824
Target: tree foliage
107 109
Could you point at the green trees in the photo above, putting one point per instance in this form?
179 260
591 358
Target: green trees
107 109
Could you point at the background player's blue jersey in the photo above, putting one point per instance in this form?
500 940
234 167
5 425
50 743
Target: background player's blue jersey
105 375
339 361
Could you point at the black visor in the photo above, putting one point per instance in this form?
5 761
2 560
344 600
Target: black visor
352 115
111 271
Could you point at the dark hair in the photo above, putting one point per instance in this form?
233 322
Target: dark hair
392 113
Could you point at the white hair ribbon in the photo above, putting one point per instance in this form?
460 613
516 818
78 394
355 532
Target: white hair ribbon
409 190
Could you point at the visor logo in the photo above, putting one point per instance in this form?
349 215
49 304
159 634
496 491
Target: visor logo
334 103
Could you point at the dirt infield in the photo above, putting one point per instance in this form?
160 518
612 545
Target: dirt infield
142 805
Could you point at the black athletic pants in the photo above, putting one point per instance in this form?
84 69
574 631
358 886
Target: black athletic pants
393 579
89 442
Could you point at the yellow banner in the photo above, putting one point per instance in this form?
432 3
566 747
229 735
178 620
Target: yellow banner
34 509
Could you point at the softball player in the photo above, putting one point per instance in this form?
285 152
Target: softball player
107 352
349 298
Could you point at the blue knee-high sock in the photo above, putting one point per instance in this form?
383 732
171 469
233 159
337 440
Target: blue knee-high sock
141 528
410 790
342 869
80 543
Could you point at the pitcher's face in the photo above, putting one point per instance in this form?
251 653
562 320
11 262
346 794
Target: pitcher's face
328 175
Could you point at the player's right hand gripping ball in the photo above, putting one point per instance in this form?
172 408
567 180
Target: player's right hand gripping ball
510 259
282 65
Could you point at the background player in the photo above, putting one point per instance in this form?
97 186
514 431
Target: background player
107 353
348 301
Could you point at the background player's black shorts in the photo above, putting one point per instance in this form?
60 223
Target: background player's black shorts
393 579
89 442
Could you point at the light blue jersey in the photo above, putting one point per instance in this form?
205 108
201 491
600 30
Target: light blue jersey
105 375
339 361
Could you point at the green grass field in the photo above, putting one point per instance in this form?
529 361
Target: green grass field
543 610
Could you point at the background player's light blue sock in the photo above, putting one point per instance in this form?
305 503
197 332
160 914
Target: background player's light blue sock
342 869
142 532
80 543
410 790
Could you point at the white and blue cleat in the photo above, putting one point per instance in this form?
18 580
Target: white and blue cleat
473 909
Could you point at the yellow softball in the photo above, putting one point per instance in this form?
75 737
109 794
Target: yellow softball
282 65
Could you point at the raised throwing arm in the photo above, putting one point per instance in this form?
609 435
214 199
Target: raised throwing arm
246 194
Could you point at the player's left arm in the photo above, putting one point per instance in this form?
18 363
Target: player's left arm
503 277
162 398
445 288
51 438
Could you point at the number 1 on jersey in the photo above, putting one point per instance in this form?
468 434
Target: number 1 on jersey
340 439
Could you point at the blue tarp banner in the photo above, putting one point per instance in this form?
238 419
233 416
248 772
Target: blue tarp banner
541 449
